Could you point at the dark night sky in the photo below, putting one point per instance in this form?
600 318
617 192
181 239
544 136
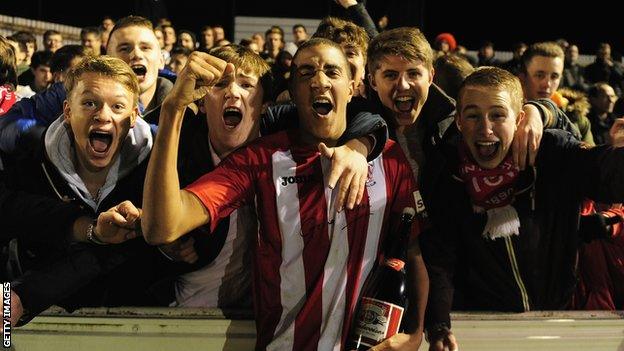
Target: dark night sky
469 21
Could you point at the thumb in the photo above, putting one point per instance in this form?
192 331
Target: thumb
229 69
326 151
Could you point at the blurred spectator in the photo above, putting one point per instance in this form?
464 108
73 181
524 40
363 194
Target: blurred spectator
52 40
605 69
445 43
187 39
178 59
300 34
486 55
91 38
572 71
206 39
602 100
515 64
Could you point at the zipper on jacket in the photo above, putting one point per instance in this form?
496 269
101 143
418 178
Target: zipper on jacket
63 198
516 273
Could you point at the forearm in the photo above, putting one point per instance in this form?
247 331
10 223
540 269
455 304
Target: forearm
417 292
162 200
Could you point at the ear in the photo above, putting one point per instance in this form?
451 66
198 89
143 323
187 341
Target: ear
133 116
431 75
371 80
520 117
351 90
200 103
522 76
66 111
458 120
161 61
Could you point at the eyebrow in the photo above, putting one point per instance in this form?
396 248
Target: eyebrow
477 107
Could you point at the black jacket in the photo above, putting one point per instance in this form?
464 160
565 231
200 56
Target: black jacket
533 270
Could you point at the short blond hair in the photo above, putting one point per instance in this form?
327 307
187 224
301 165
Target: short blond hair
248 61
106 66
406 42
494 78
342 31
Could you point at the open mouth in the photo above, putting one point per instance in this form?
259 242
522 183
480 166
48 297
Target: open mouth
139 70
404 103
100 141
322 106
486 150
232 117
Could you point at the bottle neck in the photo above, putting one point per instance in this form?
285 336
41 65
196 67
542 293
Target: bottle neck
400 241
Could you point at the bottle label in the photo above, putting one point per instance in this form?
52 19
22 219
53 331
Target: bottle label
376 321
395 264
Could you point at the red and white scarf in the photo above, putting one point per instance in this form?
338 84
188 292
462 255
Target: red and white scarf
491 191
7 98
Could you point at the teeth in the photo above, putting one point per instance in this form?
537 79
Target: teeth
487 143
322 100
404 98
231 109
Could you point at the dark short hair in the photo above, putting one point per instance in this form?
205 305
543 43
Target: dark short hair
131 21
90 30
299 25
314 42
62 58
50 32
40 58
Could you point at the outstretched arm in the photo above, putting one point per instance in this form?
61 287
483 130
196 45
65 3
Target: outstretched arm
168 211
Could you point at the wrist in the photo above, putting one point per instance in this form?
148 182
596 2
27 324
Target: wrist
92 236
437 331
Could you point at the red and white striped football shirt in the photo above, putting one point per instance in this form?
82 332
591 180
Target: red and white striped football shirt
310 262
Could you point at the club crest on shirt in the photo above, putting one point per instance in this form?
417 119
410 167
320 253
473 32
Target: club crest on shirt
370 181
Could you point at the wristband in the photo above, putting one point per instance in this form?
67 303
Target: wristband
92 235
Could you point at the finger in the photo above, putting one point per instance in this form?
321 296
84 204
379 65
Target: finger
128 210
335 174
345 182
131 235
361 189
452 343
109 218
514 149
533 148
354 190
326 151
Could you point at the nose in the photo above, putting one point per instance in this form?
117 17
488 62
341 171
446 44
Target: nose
320 81
484 127
233 91
103 114
403 83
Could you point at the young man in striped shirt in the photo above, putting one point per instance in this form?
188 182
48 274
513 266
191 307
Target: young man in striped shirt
310 258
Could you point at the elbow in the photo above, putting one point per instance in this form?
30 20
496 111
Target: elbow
154 235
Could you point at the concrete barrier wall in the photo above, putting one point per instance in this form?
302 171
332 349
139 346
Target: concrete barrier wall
158 329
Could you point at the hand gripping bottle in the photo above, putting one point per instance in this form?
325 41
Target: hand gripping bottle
383 300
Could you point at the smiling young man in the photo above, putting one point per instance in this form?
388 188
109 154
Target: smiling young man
133 40
95 156
506 240
304 291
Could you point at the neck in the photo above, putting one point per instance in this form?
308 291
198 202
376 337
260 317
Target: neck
309 139
147 96
93 180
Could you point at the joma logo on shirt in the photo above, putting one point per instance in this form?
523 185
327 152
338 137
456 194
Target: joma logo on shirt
297 179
